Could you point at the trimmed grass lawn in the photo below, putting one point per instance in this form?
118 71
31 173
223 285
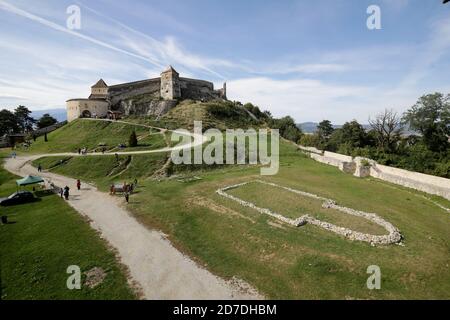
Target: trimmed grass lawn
41 240
284 262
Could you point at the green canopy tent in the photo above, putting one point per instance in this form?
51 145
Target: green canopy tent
28 180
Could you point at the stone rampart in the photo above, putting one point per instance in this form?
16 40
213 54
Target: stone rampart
363 167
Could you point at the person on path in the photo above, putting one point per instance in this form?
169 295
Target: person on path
127 197
78 184
66 192
39 168
112 189
61 192
79 150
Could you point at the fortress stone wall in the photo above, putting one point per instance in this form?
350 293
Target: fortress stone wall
146 97
86 108
414 180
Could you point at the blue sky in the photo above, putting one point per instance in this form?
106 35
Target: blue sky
312 60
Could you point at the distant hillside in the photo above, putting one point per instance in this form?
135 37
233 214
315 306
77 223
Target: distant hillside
311 127
58 114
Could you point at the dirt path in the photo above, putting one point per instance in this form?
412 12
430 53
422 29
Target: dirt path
160 269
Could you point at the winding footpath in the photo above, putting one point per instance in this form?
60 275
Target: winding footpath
158 268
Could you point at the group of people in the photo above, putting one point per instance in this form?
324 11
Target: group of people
64 192
126 189
82 151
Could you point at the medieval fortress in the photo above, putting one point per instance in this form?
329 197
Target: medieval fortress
152 97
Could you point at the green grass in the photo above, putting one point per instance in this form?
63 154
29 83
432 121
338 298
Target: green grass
41 241
293 206
284 262
103 170
87 133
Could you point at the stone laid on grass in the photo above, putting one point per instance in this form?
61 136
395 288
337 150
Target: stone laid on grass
94 277
393 236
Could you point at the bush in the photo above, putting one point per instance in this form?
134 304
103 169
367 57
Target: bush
133 142
309 140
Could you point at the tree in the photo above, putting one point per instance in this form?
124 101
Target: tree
325 129
46 121
132 142
310 140
8 123
24 119
387 127
431 117
288 128
353 135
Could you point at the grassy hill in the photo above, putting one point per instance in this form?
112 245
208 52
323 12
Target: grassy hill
213 114
86 133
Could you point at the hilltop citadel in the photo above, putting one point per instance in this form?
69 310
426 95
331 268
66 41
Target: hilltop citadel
146 97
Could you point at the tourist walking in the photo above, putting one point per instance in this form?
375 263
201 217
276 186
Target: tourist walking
39 168
127 197
112 189
66 192
78 184
79 150
61 192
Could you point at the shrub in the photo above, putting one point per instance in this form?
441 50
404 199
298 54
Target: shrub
132 142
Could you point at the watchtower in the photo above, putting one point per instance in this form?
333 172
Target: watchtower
99 90
170 84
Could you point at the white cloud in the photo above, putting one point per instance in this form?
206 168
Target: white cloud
303 99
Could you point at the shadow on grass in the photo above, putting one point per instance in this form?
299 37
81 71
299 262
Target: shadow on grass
44 193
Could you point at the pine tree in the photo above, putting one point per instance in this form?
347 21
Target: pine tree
132 142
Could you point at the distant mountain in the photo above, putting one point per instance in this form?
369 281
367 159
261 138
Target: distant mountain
58 114
311 127
308 127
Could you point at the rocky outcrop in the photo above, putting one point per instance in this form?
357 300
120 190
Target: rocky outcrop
149 108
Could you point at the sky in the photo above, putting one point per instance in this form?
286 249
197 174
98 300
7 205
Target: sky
312 60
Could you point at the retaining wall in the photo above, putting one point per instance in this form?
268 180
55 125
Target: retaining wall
418 181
